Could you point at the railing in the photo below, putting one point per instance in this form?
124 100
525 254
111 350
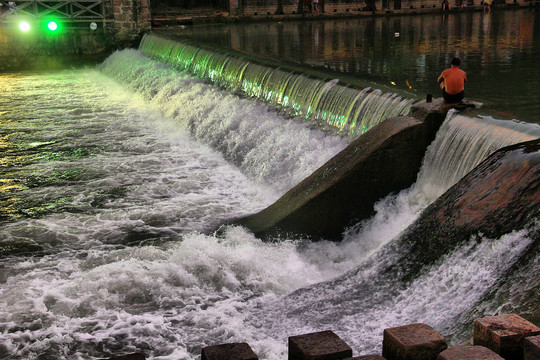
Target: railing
75 11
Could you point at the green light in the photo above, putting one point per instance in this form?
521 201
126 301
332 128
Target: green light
24 26
52 25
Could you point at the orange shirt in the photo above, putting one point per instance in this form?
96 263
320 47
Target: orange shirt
453 79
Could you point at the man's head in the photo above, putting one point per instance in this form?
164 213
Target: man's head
456 61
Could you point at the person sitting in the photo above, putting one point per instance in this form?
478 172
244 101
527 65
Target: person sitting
452 82
487 5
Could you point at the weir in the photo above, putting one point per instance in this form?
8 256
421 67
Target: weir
326 103
387 149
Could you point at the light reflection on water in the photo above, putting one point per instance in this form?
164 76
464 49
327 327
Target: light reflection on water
499 52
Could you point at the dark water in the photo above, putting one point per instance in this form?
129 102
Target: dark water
499 52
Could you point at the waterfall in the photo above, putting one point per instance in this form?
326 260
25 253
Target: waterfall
329 105
462 143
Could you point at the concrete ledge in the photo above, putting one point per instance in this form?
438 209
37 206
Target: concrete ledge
343 191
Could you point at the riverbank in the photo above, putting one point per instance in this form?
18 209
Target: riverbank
172 17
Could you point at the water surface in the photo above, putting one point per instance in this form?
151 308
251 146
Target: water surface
499 52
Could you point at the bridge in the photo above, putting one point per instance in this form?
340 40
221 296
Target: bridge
76 11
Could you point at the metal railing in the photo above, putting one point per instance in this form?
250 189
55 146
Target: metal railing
74 10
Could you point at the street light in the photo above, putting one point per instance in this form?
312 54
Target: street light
24 26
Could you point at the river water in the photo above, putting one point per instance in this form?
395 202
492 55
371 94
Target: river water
114 178
499 51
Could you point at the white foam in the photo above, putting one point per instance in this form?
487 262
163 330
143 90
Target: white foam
267 146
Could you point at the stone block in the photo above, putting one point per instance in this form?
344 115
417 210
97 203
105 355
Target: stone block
412 342
461 352
134 356
504 334
232 351
367 357
531 348
324 345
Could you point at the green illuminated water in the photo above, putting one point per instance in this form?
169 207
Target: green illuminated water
328 104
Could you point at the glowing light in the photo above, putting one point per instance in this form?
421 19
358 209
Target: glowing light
24 26
393 83
52 25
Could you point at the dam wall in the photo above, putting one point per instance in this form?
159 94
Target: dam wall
327 104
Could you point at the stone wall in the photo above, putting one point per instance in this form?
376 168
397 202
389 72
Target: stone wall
131 19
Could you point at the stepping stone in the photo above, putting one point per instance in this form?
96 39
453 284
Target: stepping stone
461 352
412 342
531 348
134 356
504 334
324 345
232 351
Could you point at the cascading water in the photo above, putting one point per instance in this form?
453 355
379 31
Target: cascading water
107 188
248 134
346 110
462 143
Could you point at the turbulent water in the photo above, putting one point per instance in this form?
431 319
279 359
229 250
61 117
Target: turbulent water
112 179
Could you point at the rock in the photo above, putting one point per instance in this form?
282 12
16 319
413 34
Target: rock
531 348
412 342
232 351
367 357
504 334
461 352
324 345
